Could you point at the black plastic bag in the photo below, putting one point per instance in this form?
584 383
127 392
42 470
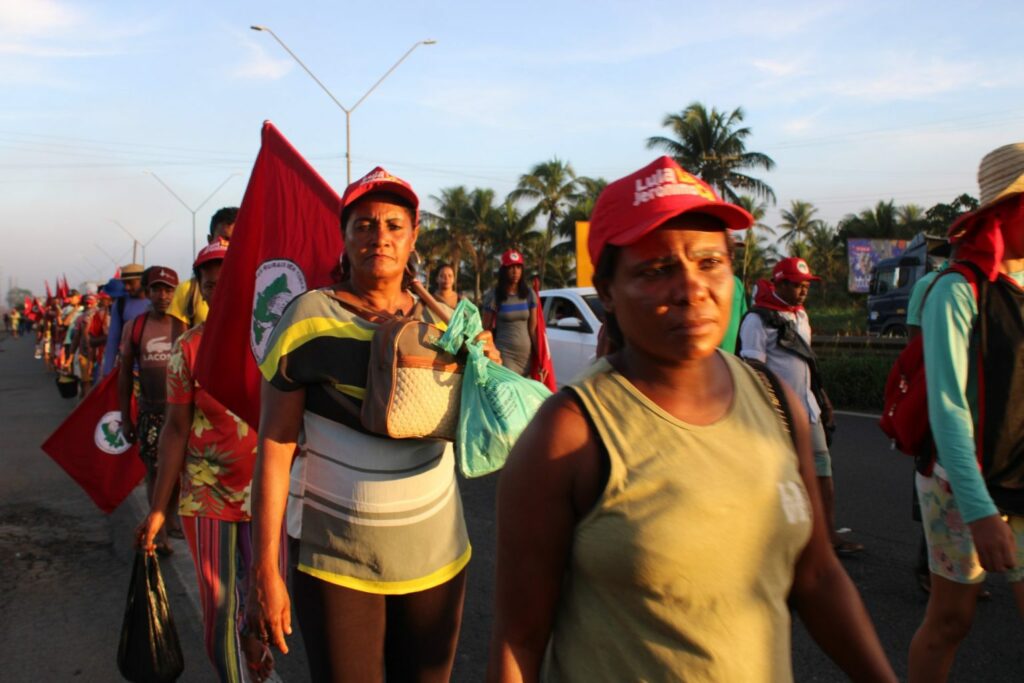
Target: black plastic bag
149 651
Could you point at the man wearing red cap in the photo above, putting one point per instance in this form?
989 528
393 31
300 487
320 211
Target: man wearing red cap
145 349
777 332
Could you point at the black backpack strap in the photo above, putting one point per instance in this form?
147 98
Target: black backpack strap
776 394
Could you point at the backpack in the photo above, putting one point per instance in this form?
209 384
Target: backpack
790 340
905 401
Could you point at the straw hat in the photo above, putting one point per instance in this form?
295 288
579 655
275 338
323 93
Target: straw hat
1001 174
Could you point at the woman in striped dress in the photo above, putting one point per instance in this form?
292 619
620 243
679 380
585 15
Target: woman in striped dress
381 576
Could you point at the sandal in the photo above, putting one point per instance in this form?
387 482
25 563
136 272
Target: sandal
847 548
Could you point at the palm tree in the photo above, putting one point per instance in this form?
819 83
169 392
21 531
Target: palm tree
881 222
553 186
798 221
912 218
451 225
826 256
751 240
711 146
483 214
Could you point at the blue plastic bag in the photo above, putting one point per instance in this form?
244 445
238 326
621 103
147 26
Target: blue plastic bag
497 404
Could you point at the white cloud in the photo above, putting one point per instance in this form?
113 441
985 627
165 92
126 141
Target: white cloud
904 77
778 69
260 65
36 17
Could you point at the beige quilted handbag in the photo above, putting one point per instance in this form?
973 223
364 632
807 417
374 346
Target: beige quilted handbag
413 388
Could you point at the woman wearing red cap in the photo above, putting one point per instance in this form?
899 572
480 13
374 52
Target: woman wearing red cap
212 452
655 521
381 575
511 312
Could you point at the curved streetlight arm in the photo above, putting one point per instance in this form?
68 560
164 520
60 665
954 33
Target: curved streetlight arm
203 203
126 231
146 244
393 67
300 63
173 193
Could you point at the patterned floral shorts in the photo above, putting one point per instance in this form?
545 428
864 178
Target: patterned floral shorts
951 552
149 436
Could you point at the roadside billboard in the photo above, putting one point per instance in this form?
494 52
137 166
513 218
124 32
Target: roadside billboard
863 254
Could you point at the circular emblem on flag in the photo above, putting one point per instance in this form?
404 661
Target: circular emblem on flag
278 281
108 436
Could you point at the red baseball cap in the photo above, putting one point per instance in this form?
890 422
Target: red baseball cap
161 275
379 180
512 258
633 206
793 269
214 251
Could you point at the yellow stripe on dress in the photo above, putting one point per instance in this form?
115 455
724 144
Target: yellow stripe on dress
432 580
306 330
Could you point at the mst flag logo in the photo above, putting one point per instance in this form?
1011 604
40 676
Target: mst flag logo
108 436
278 281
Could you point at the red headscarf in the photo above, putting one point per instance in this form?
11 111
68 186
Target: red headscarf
978 237
765 297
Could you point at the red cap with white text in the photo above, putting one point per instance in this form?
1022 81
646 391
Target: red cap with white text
379 180
633 206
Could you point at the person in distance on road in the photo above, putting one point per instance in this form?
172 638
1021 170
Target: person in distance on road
145 352
188 305
777 332
510 310
658 518
972 501
211 452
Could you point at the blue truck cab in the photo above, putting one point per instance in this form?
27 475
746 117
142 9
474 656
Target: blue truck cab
893 280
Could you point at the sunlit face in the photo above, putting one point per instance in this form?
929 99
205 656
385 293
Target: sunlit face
445 279
208 276
379 236
671 292
793 293
160 296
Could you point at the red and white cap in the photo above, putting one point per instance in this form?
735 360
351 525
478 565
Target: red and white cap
162 275
215 251
512 258
379 180
793 269
633 206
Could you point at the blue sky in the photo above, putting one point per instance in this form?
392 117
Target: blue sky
855 101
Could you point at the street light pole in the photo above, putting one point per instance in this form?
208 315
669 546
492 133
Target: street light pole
189 208
348 110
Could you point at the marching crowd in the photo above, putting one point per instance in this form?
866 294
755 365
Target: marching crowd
659 517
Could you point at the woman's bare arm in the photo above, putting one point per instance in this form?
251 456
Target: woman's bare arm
552 475
822 593
268 605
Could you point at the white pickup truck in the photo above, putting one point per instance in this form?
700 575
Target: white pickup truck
573 317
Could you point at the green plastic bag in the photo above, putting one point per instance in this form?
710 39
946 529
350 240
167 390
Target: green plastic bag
497 404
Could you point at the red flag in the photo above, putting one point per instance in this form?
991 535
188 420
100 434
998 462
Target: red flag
287 240
90 447
49 294
541 367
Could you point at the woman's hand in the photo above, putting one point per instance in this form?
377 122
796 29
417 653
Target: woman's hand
147 530
268 609
490 350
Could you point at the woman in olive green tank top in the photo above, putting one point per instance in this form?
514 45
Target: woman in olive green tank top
654 521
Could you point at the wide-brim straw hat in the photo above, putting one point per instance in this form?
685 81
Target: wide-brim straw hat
1000 175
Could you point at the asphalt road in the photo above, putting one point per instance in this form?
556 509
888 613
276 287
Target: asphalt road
64 566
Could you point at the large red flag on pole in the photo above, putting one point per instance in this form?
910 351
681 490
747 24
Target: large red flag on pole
287 239
541 367
90 447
